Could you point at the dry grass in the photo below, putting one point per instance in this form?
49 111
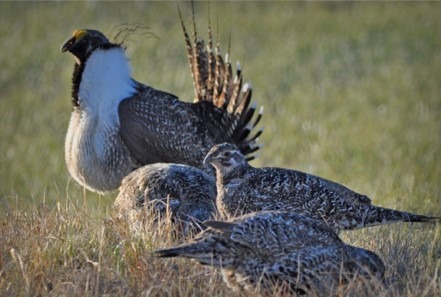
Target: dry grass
63 251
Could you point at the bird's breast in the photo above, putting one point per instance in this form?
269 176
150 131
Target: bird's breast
95 155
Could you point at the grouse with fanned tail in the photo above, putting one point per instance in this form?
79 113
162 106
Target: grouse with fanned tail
242 189
119 124
279 252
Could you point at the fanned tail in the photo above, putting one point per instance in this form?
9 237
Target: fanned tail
213 81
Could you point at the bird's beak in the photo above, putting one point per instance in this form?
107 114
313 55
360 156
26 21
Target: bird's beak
207 159
68 44
209 156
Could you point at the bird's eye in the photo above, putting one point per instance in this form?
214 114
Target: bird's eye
227 154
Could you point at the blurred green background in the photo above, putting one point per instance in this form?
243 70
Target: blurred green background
352 91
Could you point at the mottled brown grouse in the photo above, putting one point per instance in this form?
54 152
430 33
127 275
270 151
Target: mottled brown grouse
119 124
242 189
185 193
279 252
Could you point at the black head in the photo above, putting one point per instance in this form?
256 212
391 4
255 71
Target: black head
83 42
225 158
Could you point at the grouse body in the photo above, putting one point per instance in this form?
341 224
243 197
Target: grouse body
184 192
242 189
268 251
119 124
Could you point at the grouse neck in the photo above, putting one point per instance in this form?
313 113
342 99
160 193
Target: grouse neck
225 175
76 79
103 79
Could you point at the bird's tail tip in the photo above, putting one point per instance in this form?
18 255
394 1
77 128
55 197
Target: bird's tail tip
428 219
167 253
396 215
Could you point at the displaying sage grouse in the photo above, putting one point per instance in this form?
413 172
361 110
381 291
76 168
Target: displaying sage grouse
279 252
119 124
242 189
185 193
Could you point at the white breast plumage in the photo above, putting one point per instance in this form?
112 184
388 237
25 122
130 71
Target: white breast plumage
95 154
106 81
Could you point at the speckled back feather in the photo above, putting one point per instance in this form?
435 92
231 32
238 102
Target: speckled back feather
185 193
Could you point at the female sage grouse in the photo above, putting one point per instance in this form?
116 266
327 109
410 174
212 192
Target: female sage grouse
119 124
185 193
242 189
279 252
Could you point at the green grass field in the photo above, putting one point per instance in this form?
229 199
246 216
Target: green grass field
351 91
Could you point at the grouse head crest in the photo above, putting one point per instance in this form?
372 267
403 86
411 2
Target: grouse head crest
83 42
226 158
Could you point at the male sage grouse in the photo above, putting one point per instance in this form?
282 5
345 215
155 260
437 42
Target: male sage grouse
119 124
270 253
242 189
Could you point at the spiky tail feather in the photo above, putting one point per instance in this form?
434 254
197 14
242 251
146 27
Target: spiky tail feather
202 252
194 250
170 253
371 215
213 81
